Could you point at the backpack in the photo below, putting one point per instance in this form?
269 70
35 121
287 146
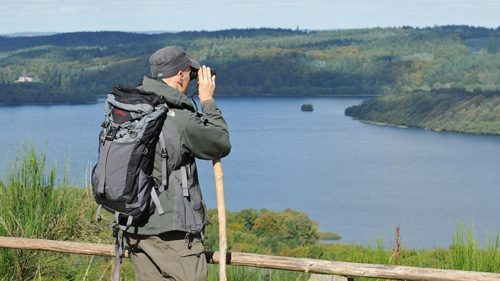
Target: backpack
122 179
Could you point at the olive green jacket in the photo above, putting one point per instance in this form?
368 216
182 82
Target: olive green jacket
189 134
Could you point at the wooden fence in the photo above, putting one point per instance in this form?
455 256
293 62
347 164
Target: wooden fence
346 269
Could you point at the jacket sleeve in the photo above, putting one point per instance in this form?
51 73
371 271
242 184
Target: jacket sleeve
207 136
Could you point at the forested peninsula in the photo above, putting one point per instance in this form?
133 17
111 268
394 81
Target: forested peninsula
443 77
453 110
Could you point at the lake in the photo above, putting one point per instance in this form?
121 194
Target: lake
357 179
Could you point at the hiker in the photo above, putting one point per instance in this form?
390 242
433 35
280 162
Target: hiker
169 246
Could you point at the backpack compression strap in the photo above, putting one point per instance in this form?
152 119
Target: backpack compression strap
164 157
184 181
164 181
102 172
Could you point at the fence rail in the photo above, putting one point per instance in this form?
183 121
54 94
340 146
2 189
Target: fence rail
392 272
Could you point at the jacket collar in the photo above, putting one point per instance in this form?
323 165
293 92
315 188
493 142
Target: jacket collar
172 96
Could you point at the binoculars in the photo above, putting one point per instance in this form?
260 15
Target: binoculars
193 75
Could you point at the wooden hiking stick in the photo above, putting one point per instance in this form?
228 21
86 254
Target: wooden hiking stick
221 211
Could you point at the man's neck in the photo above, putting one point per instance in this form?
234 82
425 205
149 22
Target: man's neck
173 84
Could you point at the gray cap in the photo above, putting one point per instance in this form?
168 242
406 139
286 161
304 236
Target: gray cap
166 62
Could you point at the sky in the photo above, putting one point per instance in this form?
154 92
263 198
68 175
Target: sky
187 15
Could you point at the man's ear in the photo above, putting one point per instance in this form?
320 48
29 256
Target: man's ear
179 76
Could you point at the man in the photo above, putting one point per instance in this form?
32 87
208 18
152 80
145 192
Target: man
169 246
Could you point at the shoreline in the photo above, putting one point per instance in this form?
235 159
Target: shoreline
101 97
420 128
45 104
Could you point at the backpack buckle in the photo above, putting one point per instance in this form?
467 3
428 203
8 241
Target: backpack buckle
164 153
112 131
105 124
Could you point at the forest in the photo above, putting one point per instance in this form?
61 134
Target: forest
78 67
440 78
453 110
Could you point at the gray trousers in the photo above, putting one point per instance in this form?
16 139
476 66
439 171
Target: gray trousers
168 257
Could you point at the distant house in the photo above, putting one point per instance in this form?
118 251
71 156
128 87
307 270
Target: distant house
24 79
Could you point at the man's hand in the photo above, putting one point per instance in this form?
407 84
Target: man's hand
206 84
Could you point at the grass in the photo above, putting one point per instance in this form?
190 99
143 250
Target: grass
35 203
467 255
329 236
238 273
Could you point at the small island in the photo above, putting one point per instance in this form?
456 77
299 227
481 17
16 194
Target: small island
307 107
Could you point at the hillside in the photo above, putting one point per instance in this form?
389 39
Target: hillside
260 61
453 110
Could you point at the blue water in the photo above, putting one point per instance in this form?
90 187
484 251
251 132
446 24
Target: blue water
359 180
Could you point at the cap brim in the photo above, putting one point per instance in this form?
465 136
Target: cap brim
194 64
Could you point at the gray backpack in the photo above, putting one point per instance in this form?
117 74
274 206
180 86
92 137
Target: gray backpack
122 179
